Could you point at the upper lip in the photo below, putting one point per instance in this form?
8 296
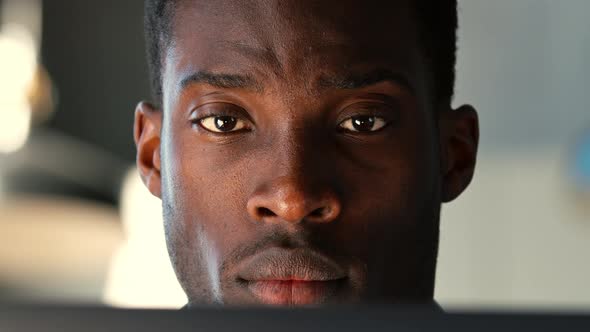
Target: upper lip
290 264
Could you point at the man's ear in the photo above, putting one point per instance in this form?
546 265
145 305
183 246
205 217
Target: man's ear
146 132
459 142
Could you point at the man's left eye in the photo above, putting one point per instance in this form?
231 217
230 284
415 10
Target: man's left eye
222 124
363 124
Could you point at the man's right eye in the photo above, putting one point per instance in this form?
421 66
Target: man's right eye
363 124
222 124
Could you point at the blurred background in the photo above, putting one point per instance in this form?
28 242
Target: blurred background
77 226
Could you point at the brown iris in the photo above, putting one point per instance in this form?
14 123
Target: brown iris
225 123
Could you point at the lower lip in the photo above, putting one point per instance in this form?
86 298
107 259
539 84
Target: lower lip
293 292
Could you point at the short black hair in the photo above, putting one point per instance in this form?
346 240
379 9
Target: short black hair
437 21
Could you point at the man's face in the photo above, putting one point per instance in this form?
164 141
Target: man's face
300 153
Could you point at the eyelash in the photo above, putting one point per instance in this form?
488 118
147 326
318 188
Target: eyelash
206 113
368 111
378 121
200 122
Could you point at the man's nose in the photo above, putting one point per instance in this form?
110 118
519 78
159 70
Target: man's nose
288 199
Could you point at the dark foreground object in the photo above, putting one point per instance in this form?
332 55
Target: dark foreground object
35 318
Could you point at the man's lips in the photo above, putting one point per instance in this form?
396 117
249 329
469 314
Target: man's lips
291 276
293 292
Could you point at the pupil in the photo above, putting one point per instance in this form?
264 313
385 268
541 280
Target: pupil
225 123
363 123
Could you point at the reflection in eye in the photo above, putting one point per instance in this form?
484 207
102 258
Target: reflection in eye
363 123
222 124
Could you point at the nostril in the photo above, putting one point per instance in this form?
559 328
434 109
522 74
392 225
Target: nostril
318 213
264 212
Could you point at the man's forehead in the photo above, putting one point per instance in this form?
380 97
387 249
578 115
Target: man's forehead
275 23
314 9
294 39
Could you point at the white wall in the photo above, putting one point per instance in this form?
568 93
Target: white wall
521 234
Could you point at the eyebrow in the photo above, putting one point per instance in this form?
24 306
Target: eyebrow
349 82
224 81
361 80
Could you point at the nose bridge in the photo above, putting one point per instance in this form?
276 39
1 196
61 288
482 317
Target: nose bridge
295 152
295 187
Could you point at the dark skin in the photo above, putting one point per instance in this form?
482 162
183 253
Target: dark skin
300 154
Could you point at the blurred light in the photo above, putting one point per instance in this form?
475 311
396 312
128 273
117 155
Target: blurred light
14 127
579 174
582 163
141 275
24 13
18 64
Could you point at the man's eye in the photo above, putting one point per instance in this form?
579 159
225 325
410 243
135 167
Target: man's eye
363 123
222 124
